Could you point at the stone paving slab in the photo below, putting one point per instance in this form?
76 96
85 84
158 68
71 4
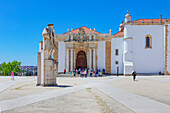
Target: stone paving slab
7 84
127 99
28 87
21 101
156 90
88 100
137 103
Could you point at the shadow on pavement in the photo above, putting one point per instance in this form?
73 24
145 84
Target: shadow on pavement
62 86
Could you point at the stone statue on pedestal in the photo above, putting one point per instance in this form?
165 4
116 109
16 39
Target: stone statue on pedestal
46 64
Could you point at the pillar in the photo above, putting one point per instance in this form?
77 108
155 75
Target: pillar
67 56
94 59
71 59
90 59
74 59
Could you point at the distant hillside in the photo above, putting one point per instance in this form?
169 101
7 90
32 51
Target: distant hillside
28 67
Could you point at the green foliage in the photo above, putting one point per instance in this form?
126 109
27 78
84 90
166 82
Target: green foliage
8 68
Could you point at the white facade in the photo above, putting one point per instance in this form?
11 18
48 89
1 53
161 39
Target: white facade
143 58
61 56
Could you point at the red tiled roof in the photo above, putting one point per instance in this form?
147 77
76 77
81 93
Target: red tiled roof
149 20
87 30
120 33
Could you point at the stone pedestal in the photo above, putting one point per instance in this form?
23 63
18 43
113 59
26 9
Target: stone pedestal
49 78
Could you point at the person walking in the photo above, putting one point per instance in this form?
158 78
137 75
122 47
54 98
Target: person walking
12 75
134 75
64 71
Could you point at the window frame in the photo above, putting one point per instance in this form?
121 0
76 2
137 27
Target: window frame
150 42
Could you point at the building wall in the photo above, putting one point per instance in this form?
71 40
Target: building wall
147 60
101 55
117 43
61 56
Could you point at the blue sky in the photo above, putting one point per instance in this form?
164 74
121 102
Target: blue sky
22 21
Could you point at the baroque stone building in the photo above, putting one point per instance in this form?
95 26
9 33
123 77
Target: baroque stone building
141 45
78 48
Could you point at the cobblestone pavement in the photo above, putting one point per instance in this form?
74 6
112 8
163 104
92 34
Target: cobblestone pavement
148 94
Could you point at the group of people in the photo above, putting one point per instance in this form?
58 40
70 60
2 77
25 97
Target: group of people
86 72
92 73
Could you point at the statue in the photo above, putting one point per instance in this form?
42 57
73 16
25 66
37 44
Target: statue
46 64
48 34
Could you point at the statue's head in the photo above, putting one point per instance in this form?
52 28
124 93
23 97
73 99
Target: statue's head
50 26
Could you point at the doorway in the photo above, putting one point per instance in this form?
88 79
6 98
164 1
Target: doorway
81 60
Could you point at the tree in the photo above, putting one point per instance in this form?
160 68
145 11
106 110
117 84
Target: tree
7 68
4 68
15 67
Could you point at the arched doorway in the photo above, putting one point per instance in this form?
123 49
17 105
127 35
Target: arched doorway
81 60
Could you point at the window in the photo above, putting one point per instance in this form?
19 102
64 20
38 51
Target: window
148 41
116 62
116 52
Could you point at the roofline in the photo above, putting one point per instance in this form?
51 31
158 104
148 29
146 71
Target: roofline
83 26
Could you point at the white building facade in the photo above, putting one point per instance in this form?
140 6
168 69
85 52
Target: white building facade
142 45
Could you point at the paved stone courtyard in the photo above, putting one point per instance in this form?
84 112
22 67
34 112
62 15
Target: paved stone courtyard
148 94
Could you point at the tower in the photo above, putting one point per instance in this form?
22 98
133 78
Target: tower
127 17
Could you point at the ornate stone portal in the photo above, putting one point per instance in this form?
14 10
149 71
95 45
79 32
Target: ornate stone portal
81 50
46 64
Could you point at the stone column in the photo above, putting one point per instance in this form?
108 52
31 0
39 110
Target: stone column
67 67
75 59
90 59
94 59
71 59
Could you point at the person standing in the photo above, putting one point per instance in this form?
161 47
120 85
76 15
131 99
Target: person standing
91 73
71 73
117 71
96 74
74 73
64 71
85 74
103 71
134 75
12 75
